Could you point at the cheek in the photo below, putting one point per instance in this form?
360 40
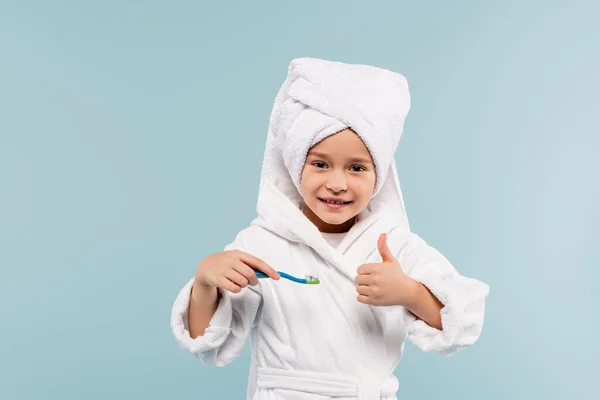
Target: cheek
365 188
307 183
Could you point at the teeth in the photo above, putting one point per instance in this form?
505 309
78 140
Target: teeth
335 202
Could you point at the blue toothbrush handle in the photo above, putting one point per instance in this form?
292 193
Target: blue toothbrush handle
261 274
291 278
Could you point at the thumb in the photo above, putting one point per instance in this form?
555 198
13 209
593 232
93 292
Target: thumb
384 250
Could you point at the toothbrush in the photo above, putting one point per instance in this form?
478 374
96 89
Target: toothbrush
312 279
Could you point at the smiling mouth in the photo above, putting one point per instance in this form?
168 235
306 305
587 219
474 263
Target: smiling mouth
337 202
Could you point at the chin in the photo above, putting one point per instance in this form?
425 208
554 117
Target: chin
335 219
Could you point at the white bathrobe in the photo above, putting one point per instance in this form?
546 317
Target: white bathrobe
318 341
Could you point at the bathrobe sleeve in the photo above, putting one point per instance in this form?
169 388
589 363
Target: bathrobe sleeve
225 337
463 301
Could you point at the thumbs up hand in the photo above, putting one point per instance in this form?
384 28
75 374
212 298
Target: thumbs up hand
384 284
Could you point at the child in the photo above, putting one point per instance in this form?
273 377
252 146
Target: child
329 204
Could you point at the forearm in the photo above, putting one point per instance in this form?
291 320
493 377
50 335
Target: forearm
203 304
425 305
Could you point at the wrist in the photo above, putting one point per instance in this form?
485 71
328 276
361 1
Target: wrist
413 290
201 292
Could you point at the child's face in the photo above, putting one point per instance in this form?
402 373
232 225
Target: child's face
338 168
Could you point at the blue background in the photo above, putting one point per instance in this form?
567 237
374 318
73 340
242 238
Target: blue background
131 137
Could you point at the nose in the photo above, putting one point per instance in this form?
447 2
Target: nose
336 182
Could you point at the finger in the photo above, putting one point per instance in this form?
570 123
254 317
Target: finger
364 290
384 250
365 269
236 278
258 264
247 272
363 280
363 299
228 285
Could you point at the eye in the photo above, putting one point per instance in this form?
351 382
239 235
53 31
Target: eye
319 164
357 168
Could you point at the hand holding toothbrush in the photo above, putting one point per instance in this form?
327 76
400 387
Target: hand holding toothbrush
231 270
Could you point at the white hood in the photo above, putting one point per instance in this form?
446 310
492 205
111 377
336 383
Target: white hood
317 99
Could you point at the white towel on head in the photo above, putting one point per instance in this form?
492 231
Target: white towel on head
320 98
